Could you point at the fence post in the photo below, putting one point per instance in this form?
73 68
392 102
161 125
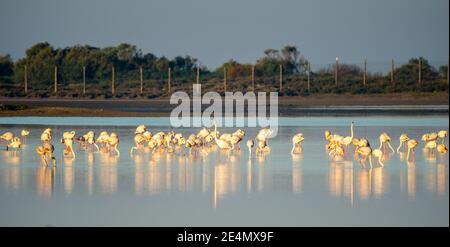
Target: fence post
26 79
364 72
308 73
253 77
392 70
281 77
420 71
141 79
113 80
169 80
84 80
336 71
56 80
224 79
198 75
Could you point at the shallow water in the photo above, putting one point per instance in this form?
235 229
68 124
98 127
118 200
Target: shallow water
213 188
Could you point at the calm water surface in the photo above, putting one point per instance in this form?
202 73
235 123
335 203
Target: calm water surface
214 189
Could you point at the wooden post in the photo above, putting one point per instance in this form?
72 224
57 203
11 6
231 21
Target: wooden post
253 77
198 75
336 71
224 79
392 70
420 70
169 80
113 81
281 77
448 72
56 80
26 78
84 80
364 72
141 79
309 76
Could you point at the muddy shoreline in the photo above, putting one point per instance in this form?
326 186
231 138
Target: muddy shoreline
336 105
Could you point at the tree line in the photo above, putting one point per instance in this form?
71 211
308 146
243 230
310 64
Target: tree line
127 60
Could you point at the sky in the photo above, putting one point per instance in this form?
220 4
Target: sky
215 31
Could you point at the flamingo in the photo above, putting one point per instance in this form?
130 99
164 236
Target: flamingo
403 139
262 147
46 135
190 144
25 133
346 141
81 142
367 153
236 138
209 138
225 137
140 129
222 144
103 138
44 150
442 135
67 140
385 139
359 143
69 146
202 134
263 135
431 145
411 146
441 148
147 135
15 143
152 144
297 141
335 148
113 142
8 137
250 145
90 139
377 153
139 139
430 137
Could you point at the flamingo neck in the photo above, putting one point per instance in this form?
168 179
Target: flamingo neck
215 132
351 130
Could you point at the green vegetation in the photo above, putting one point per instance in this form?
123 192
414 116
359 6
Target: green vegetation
127 60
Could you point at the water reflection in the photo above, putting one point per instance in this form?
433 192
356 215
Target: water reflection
10 157
297 175
45 177
435 178
68 178
90 179
408 177
11 177
367 183
108 173
226 181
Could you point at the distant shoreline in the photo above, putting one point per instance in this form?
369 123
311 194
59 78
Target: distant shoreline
335 105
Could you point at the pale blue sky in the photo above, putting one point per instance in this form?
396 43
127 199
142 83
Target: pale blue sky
215 31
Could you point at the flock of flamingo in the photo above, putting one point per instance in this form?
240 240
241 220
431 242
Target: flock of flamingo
337 145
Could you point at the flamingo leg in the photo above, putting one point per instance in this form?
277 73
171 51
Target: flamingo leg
390 146
381 162
399 146
117 150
